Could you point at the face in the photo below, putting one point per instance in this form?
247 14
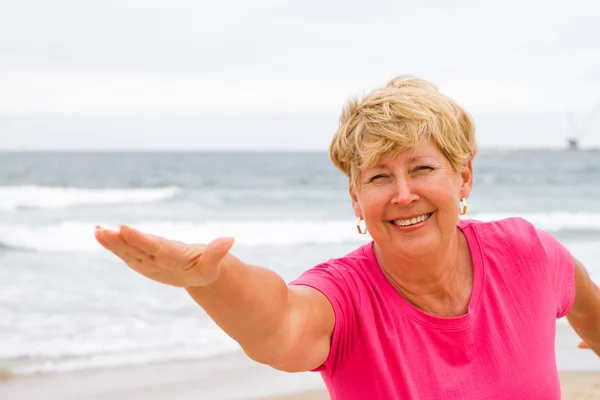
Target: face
410 203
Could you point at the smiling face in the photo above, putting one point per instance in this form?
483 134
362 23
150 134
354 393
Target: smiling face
410 203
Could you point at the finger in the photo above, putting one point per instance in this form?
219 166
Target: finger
149 244
99 235
106 237
113 242
583 345
217 250
161 252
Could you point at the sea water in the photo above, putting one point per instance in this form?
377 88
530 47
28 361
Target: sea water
68 304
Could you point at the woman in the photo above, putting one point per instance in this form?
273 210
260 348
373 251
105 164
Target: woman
433 308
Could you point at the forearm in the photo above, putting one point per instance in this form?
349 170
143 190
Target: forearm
587 322
250 304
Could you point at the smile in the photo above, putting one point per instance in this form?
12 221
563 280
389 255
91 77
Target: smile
411 221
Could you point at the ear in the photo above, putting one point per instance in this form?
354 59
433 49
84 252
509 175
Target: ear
466 175
355 202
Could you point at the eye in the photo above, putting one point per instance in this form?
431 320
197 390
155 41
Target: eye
423 168
376 177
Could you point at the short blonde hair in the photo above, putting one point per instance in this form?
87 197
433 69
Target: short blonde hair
406 112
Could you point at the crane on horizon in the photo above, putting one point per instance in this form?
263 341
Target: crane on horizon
577 134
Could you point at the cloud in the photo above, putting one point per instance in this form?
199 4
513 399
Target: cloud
101 93
267 57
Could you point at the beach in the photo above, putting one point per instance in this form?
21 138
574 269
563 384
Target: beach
192 381
231 376
575 385
235 377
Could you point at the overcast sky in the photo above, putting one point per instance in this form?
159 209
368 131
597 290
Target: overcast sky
225 74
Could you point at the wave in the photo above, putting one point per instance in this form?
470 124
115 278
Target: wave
49 197
122 343
101 354
109 361
554 221
77 236
5 247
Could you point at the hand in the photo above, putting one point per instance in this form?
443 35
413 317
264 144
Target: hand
166 261
583 345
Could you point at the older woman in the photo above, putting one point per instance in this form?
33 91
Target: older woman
433 308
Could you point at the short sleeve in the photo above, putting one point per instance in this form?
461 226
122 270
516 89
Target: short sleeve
331 279
561 271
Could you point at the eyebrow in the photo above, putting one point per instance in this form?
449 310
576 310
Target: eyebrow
415 158
410 160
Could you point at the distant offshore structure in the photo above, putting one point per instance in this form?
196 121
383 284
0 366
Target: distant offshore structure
577 133
573 144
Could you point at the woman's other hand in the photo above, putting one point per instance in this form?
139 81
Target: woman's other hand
166 261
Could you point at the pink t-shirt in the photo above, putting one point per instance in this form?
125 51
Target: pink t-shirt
503 348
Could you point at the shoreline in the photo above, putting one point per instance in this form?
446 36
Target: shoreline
225 377
206 379
233 376
575 385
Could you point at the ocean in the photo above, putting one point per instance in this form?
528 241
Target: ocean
67 304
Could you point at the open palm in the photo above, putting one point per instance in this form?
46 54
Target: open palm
166 261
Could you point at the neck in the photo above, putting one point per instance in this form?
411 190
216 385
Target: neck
440 283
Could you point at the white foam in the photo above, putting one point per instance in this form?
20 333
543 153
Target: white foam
106 361
65 354
78 236
74 236
47 197
101 343
554 221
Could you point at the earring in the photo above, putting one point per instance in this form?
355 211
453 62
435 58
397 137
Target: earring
463 207
359 227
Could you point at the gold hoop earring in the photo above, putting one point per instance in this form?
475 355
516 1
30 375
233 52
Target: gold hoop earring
359 228
463 207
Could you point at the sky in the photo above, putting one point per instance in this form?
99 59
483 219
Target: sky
274 75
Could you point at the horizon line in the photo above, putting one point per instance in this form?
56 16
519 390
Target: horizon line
275 150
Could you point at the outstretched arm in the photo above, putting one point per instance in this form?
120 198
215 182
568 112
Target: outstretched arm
288 328
584 317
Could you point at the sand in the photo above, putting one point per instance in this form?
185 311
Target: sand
214 380
232 376
235 377
576 385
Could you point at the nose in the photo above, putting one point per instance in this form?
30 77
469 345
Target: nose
404 194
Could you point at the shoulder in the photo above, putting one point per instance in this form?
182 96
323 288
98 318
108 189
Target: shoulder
348 267
515 231
344 280
515 239
514 226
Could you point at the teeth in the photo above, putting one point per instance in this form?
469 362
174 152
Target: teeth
412 221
